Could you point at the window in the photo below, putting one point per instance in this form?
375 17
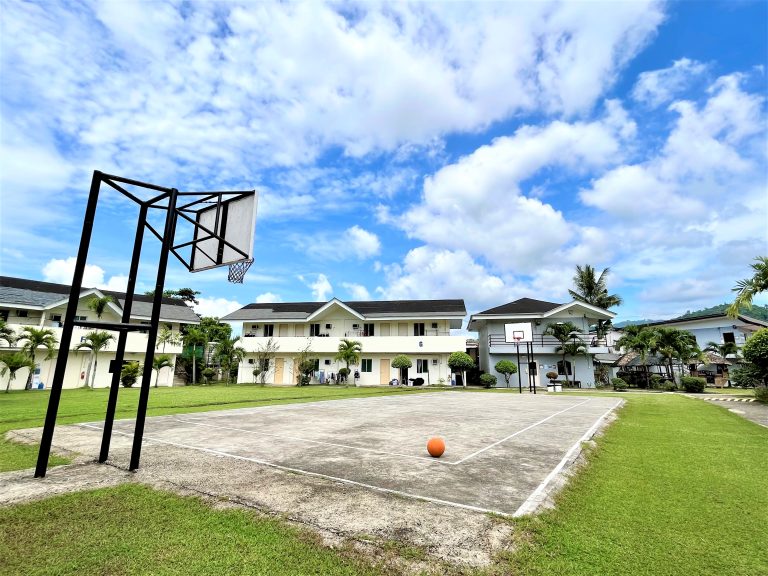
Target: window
327 362
265 365
21 313
367 365
367 329
729 337
317 361
422 366
418 329
328 326
564 369
85 318
4 315
314 329
434 325
269 330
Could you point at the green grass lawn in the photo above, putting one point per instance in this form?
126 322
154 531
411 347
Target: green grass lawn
26 408
675 487
136 530
731 391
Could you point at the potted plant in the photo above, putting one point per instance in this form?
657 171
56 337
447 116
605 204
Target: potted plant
553 386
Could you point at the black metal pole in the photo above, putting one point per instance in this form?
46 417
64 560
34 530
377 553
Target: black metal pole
123 337
531 376
66 332
168 234
519 368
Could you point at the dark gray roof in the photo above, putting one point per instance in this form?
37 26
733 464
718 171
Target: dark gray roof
523 306
371 308
745 319
24 292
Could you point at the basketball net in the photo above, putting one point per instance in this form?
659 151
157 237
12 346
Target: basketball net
237 270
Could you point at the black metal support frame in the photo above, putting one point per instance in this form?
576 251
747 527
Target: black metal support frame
166 200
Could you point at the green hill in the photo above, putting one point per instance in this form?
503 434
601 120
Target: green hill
757 312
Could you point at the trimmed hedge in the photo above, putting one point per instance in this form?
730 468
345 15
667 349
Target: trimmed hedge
693 383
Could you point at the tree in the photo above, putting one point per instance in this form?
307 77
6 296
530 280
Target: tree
214 331
402 363
94 341
166 336
33 339
186 294
506 368
194 337
12 362
99 305
746 289
130 373
461 362
304 365
158 363
755 351
572 348
265 353
725 349
594 290
7 334
670 344
563 332
642 341
349 352
228 353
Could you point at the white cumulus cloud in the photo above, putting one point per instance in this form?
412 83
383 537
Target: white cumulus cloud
216 307
61 271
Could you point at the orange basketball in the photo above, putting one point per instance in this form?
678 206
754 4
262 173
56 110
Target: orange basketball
436 447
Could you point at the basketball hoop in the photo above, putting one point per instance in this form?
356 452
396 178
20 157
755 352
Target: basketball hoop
237 270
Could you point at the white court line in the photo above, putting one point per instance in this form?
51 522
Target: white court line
519 432
532 502
316 474
300 439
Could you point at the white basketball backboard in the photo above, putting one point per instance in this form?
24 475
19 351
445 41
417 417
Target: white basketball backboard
234 221
520 332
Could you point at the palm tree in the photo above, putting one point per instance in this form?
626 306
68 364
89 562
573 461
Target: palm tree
99 305
160 362
194 338
94 341
723 349
573 348
229 354
166 336
7 333
672 343
349 352
594 290
641 340
563 332
746 289
12 362
33 339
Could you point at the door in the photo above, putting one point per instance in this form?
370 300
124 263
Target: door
278 371
285 330
385 329
402 329
385 371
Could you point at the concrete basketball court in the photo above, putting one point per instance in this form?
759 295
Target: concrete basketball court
503 450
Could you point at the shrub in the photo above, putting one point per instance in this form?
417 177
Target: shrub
488 380
746 376
755 349
619 384
761 394
669 386
129 374
208 373
656 380
693 383
551 375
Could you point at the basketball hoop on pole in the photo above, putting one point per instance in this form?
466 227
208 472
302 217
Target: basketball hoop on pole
222 226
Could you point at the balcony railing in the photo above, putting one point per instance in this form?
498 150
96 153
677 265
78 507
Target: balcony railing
547 340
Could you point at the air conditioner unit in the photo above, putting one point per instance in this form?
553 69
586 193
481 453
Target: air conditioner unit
434 361
355 326
434 324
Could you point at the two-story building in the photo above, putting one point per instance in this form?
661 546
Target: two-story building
537 315
717 328
43 305
419 329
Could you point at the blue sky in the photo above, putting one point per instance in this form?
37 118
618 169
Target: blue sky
475 151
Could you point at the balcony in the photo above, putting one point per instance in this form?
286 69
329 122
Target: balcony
326 345
544 343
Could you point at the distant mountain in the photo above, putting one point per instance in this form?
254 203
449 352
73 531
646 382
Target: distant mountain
632 323
757 312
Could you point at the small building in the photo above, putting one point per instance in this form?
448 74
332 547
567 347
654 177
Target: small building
419 329
494 345
43 305
718 328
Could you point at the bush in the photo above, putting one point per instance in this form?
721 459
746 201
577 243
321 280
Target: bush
693 384
761 394
208 373
755 349
488 380
669 386
619 384
551 375
656 381
129 374
746 376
